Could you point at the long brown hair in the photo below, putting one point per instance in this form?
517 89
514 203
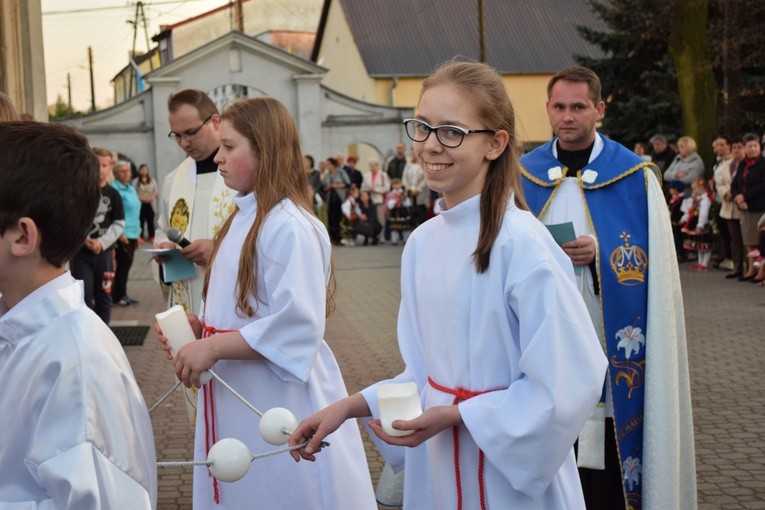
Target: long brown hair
486 92
272 134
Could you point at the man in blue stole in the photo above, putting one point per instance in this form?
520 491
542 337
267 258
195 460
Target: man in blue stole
636 451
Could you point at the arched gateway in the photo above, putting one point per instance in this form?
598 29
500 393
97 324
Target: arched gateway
233 66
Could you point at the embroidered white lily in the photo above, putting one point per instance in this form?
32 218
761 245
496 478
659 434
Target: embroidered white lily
630 339
589 176
632 471
555 173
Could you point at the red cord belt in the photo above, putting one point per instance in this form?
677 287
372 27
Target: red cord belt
461 394
209 401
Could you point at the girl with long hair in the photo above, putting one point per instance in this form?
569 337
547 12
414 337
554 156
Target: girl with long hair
491 328
266 296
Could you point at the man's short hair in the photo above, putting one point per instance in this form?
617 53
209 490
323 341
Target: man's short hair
658 138
578 74
49 173
195 98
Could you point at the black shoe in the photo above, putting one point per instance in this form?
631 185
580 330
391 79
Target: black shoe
743 278
375 242
733 275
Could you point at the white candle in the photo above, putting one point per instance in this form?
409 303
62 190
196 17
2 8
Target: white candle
398 402
175 326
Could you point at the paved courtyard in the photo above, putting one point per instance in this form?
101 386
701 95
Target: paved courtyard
725 321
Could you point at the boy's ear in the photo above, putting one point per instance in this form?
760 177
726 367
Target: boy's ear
25 237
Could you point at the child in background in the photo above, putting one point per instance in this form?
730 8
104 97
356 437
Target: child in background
146 187
93 263
491 328
695 224
351 215
367 224
76 431
266 297
399 206
675 203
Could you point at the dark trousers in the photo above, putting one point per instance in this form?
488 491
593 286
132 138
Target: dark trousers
682 255
147 221
419 215
736 244
123 254
334 217
725 252
92 269
603 489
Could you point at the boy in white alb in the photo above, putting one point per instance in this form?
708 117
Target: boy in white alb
76 431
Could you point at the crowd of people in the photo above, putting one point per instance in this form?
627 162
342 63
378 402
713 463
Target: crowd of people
561 352
717 222
376 207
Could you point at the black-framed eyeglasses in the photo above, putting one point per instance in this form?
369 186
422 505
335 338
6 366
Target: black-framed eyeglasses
448 136
189 134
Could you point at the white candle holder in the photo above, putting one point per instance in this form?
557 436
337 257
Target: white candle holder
398 402
174 324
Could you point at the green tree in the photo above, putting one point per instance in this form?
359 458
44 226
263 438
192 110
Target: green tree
61 110
664 59
637 74
738 48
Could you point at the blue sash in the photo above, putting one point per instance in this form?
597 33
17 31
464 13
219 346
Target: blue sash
614 191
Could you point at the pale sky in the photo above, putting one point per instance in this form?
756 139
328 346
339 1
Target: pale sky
70 26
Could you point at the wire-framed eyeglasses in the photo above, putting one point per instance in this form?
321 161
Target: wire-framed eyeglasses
448 136
189 134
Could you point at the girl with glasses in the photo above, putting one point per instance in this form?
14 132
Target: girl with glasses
491 328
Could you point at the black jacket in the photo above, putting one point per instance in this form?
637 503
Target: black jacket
752 186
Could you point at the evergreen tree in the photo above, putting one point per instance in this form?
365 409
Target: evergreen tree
637 73
639 77
737 43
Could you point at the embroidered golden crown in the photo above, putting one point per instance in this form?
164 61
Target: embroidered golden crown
629 262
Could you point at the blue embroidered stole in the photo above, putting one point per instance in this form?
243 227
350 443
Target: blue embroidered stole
614 189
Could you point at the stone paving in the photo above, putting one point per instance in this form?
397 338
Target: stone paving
726 348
